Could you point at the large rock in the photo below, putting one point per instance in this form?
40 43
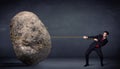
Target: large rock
30 39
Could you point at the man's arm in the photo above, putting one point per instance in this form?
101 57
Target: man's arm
86 37
104 42
91 37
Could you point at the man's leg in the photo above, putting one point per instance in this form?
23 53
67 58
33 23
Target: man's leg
100 54
89 50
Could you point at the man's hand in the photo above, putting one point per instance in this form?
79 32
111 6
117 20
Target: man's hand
85 37
95 39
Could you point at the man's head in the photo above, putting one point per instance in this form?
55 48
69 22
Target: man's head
106 33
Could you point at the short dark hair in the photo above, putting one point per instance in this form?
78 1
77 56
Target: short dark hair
106 32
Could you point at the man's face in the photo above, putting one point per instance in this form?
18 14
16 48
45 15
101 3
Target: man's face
104 34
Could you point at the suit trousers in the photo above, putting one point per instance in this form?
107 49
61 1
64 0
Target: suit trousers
97 50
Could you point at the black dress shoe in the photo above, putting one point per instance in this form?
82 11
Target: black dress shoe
86 65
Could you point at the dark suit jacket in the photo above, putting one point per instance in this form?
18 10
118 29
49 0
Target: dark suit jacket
100 42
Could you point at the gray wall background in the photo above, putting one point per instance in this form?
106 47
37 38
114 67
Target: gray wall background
66 17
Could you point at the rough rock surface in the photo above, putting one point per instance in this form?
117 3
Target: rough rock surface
30 39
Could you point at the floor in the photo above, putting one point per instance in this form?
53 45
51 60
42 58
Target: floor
59 64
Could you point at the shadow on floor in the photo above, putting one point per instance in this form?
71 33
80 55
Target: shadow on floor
13 65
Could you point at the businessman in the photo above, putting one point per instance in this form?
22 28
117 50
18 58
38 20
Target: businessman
99 41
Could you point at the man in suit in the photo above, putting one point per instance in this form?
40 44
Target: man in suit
99 41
